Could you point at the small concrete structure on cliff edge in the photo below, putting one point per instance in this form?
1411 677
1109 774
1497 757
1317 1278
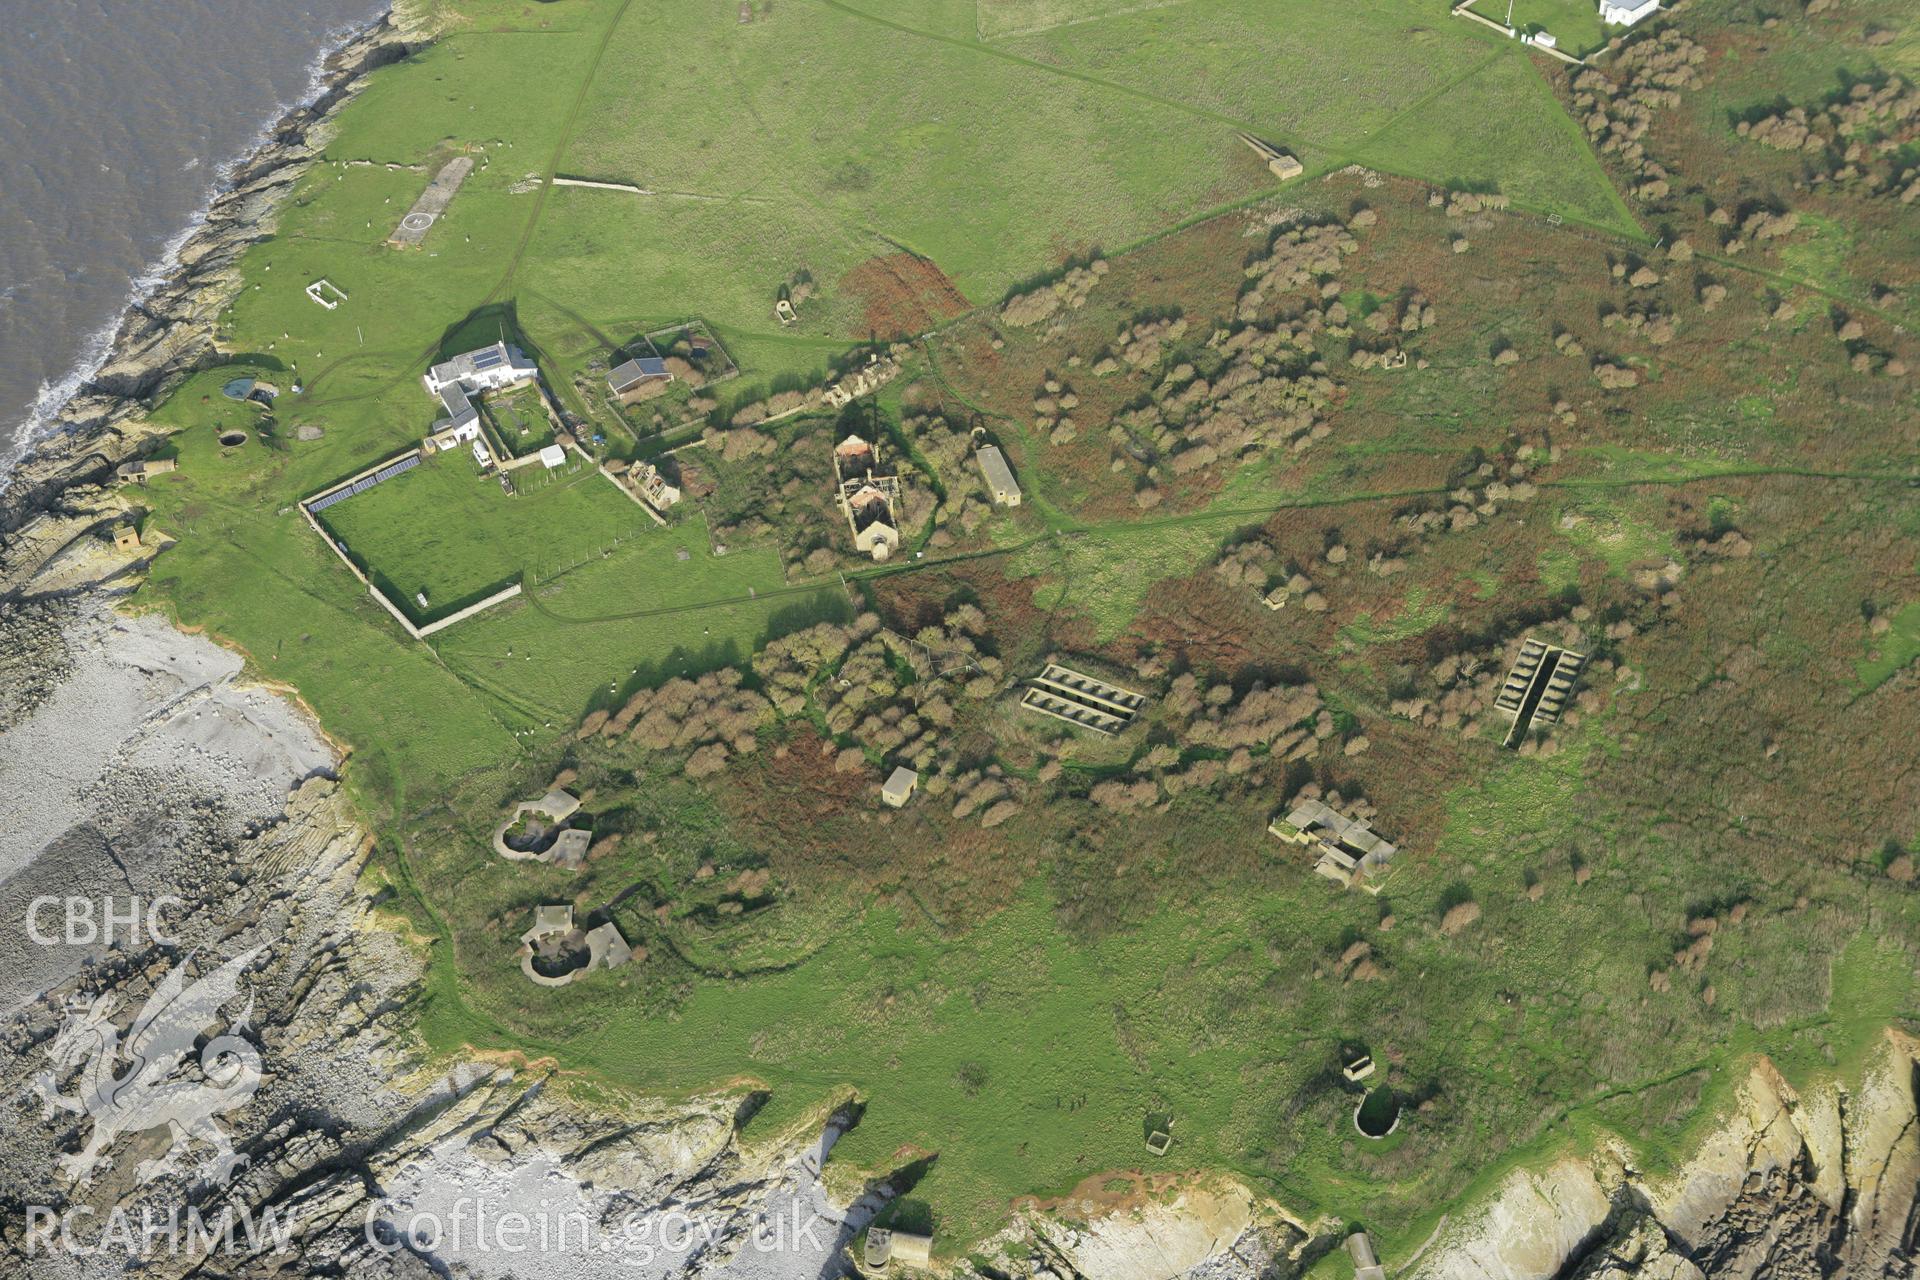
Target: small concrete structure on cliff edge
1366 1266
885 1247
139 471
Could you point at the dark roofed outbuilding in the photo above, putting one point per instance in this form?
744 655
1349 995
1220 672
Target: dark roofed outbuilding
637 372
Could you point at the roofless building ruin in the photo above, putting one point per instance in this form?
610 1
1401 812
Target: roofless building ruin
1537 688
868 495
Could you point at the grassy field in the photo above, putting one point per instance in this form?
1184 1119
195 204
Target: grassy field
447 529
1096 134
1894 651
988 1047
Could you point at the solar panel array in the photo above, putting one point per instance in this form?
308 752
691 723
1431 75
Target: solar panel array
487 358
364 483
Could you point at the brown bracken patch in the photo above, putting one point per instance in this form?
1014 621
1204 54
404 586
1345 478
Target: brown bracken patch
903 295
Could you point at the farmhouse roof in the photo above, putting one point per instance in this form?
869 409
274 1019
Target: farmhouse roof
453 397
469 363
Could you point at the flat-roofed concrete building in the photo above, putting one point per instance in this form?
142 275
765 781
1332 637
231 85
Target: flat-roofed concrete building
606 949
899 786
1001 486
569 848
549 920
139 471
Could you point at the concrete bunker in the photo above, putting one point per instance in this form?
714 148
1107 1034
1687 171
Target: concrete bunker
554 952
1081 699
1378 1113
542 831
250 391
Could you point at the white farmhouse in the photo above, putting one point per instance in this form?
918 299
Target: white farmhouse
1624 13
487 369
453 383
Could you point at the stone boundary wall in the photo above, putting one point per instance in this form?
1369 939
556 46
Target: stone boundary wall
418 633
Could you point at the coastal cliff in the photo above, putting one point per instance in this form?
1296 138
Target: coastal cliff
1791 1184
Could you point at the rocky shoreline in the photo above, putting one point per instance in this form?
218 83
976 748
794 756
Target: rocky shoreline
169 333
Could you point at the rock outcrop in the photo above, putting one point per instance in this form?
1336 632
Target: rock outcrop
1788 1185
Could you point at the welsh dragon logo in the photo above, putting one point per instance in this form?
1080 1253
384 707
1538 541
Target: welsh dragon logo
141 1082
